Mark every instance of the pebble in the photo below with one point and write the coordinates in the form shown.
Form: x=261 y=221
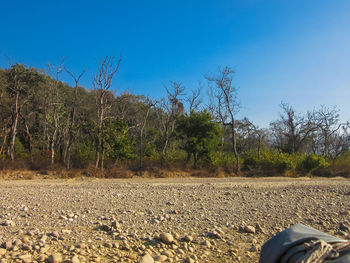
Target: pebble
x=188 y=238
x=8 y=223
x=167 y=238
x=55 y=258
x=75 y=259
x=146 y=259
x=249 y=229
x=26 y=258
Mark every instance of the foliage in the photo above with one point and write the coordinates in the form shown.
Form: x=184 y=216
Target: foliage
x=116 y=142
x=312 y=162
x=36 y=123
x=199 y=135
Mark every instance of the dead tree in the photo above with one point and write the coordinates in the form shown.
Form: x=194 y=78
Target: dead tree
x=101 y=84
x=170 y=109
x=54 y=104
x=194 y=100
x=72 y=116
x=226 y=105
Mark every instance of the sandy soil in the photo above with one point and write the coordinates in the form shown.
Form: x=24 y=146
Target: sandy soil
x=108 y=220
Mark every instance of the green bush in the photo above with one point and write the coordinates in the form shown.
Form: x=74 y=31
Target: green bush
x=312 y=162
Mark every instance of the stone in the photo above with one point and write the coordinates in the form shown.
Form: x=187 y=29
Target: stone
x=166 y=238
x=55 y=234
x=146 y=259
x=25 y=240
x=7 y=244
x=2 y=251
x=8 y=223
x=55 y=258
x=344 y=227
x=75 y=259
x=26 y=258
x=188 y=238
x=249 y=229
x=160 y=258
x=189 y=260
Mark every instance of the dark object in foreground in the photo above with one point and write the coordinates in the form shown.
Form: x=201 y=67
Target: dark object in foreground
x=303 y=244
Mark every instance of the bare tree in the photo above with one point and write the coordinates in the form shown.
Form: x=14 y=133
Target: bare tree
x=293 y=130
x=328 y=125
x=55 y=106
x=226 y=105
x=253 y=133
x=194 y=100
x=101 y=84
x=170 y=109
x=72 y=116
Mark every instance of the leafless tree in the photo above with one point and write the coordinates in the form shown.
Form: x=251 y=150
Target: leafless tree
x=171 y=107
x=72 y=116
x=226 y=105
x=55 y=106
x=328 y=126
x=101 y=84
x=293 y=130
x=194 y=100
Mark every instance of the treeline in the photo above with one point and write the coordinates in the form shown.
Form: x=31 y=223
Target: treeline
x=45 y=123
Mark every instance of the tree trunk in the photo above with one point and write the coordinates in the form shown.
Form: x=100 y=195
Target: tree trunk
x=234 y=147
x=29 y=138
x=11 y=149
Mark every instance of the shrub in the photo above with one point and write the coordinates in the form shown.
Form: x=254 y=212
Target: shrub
x=312 y=162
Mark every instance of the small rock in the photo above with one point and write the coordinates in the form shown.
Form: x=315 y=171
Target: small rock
x=55 y=234
x=2 y=251
x=189 y=260
x=249 y=229
x=55 y=258
x=188 y=238
x=146 y=259
x=166 y=238
x=7 y=244
x=344 y=227
x=160 y=258
x=75 y=259
x=25 y=240
x=26 y=258
x=8 y=223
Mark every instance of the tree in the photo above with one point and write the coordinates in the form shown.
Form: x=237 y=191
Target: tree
x=293 y=131
x=104 y=98
x=116 y=143
x=55 y=108
x=200 y=135
x=226 y=105
x=328 y=124
x=170 y=109
x=72 y=116
x=19 y=81
x=250 y=136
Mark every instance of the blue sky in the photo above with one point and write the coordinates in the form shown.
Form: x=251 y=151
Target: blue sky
x=293 y=51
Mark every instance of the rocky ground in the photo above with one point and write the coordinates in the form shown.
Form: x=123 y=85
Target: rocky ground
x=162 y=220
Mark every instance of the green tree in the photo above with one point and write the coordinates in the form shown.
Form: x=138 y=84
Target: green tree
x=116 y=143
x=200 y=135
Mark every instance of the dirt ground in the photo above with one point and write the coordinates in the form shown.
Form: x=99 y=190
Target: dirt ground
x=170 y=219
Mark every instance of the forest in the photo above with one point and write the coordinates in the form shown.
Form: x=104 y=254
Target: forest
x=45 y=124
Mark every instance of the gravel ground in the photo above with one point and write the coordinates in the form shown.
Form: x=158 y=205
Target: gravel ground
x=162 y=220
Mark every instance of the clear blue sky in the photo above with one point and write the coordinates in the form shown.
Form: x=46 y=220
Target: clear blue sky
x=293 y=51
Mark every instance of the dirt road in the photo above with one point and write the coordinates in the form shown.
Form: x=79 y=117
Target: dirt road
x=171 y=220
